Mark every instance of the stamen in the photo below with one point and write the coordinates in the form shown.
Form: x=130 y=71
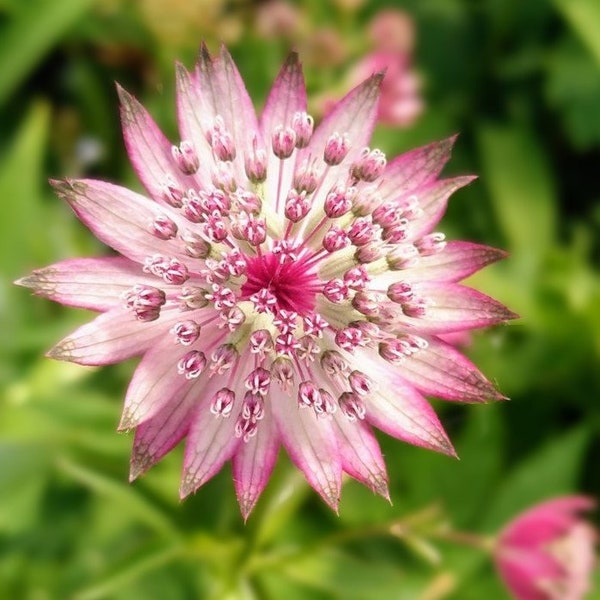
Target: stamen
x=170 y=269
x=186 y=332
x=282 y=372
x=336 y=149
x=145 y=301
x=369 y=166
x=302 y=124
x=221 y=404
x=164 y=228
x=352 y=406
x=192 y=364
x=256 y=163
x=283 y=142
x=186 y=157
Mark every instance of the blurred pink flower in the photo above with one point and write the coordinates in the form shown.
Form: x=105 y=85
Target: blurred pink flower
x=392 y=30
x=400 y=102
x=547 y=553
x=284 y=286
x=392 y=35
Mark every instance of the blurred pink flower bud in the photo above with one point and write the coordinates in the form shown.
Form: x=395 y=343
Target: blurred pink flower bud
x=392 y=31
x=400 y=102
x=547 y=552
x=276 y=19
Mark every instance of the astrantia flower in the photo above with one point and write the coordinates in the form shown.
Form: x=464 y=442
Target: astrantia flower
x=547 y=553
x=283 y=284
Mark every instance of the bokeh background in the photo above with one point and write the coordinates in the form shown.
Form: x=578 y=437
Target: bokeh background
x=520 y=82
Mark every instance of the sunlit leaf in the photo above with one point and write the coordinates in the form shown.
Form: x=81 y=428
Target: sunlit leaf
x=584 y=17
x=521 y=187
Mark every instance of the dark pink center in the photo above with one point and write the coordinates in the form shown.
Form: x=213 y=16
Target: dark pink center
x=294 y=284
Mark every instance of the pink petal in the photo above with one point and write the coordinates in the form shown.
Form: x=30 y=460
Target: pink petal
x=361 y=455
x=455 y=262
x=522 y=572
x=217 y=89
x=354 y=115
x=93 y=283
x=120 y=218
x=161 y=433
x=546 y=521
x=414 y=169
x=211 y=442
x=453 y=307
x=442 y=371
x=253 y=463
x=191 y=123
x=287 y=96
x=433 y=200
x=149 y=150
x=111 y=337
x=398 y=409
x=311 y=444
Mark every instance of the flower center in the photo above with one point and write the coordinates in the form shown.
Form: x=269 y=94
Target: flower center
x=293 y=284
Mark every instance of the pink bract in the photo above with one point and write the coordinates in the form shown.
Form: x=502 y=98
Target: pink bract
x=400 y=102
x=547 y=553
x=283 y=283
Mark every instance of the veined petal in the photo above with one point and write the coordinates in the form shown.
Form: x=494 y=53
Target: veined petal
x=398 y=409
x=354 y=115
x=442 y=371
x=433 y=199
x=148 y=149
x=156 y=380
x=361 y=455
x=412 y=170
x=120 y=218
x=455 y=262
x=253 y=463
x=224 y=93
x=190 y=116
x=311 y=444
x=216 y=89
x=93 y=283
x=111 y=337
x=287 y=97
x=454 y=307
x=211 y=442
x=161 y=433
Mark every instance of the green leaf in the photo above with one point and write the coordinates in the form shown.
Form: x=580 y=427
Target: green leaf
x=21 y=170
x=522 y=189
x=573 y=89
x=36 y=27
x=124 y=496
x=551 y=471
x=22 y=479
x=584 y=18
x=346 y=576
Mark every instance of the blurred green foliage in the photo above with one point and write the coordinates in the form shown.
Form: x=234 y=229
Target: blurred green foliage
x=521 y=82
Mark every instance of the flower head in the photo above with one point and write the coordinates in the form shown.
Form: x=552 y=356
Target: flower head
x=547 y=553
x=282 y=282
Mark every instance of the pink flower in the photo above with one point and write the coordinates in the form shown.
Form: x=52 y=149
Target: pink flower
x=284 y=285
x=547 y=553
x=400 y=102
